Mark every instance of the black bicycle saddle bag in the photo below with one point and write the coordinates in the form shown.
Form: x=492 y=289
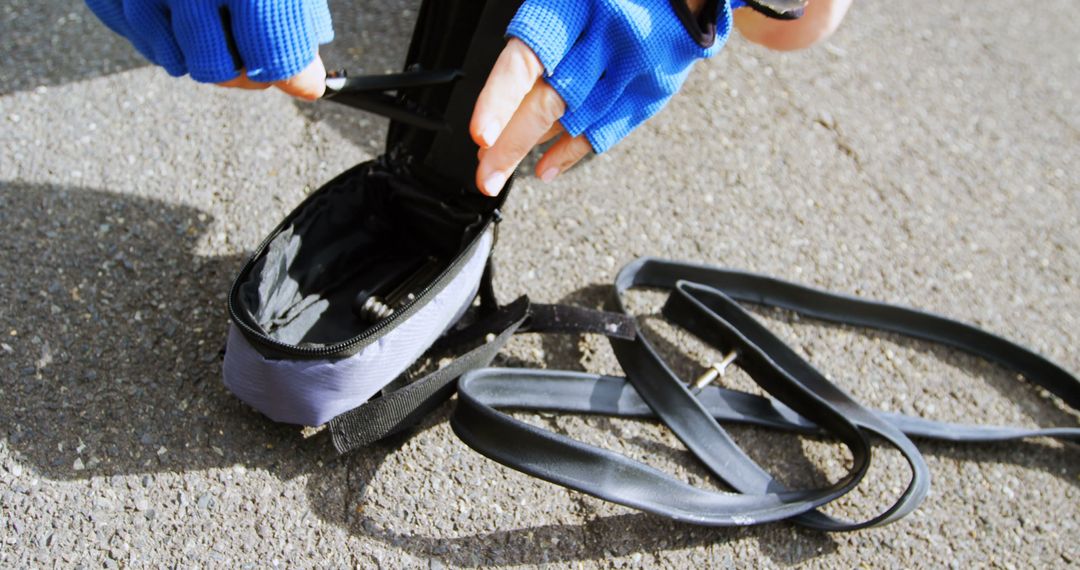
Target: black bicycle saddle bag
x=364 y=275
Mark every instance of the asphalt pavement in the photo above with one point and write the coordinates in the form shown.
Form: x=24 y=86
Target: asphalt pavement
x=927 y=155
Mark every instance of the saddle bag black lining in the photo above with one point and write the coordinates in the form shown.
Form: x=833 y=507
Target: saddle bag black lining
x=300 y=287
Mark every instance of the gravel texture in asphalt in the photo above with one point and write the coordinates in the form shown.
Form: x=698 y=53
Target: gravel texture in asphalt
x=927 y=155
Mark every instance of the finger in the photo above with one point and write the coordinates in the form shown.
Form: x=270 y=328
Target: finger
x=562 y=156
x=309 y=84
x=539 y=111
x=242 y=81
x=511 y=79
x=555 y=130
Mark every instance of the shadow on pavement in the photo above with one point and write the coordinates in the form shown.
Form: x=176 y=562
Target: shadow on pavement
x=599 y=538
x=115 y=329
x=54 y=43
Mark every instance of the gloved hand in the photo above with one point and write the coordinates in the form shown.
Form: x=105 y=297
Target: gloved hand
x=616 y=63
x=273 y=40
x=586 y=72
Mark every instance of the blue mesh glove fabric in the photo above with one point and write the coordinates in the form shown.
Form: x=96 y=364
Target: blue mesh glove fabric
x=274 y=39
x=616 y=63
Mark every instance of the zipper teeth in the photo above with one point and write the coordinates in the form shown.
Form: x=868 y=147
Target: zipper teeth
x=405 y=310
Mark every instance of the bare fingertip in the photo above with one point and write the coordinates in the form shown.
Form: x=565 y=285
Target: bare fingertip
x=494 y=183
x=490 y=134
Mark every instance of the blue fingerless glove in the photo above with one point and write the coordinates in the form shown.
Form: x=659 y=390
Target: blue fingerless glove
x=272 y=39
x=618 y=62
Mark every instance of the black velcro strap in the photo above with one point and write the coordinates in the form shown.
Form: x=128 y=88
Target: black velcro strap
x=400 y=407
x=384 y=416
x=570 y=319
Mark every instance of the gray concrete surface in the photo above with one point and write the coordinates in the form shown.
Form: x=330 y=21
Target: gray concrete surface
x=927 y=155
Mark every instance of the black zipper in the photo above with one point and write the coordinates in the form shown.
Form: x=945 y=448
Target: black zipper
x=343 y=347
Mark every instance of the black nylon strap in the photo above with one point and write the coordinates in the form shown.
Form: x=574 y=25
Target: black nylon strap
x=397 y=410
x=568 y=319
x=400 y=407
x=703 y=301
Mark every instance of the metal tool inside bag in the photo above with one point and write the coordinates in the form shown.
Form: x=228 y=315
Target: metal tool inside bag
x=389 y=262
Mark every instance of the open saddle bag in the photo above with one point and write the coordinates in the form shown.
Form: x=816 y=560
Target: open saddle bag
x=389 y=262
